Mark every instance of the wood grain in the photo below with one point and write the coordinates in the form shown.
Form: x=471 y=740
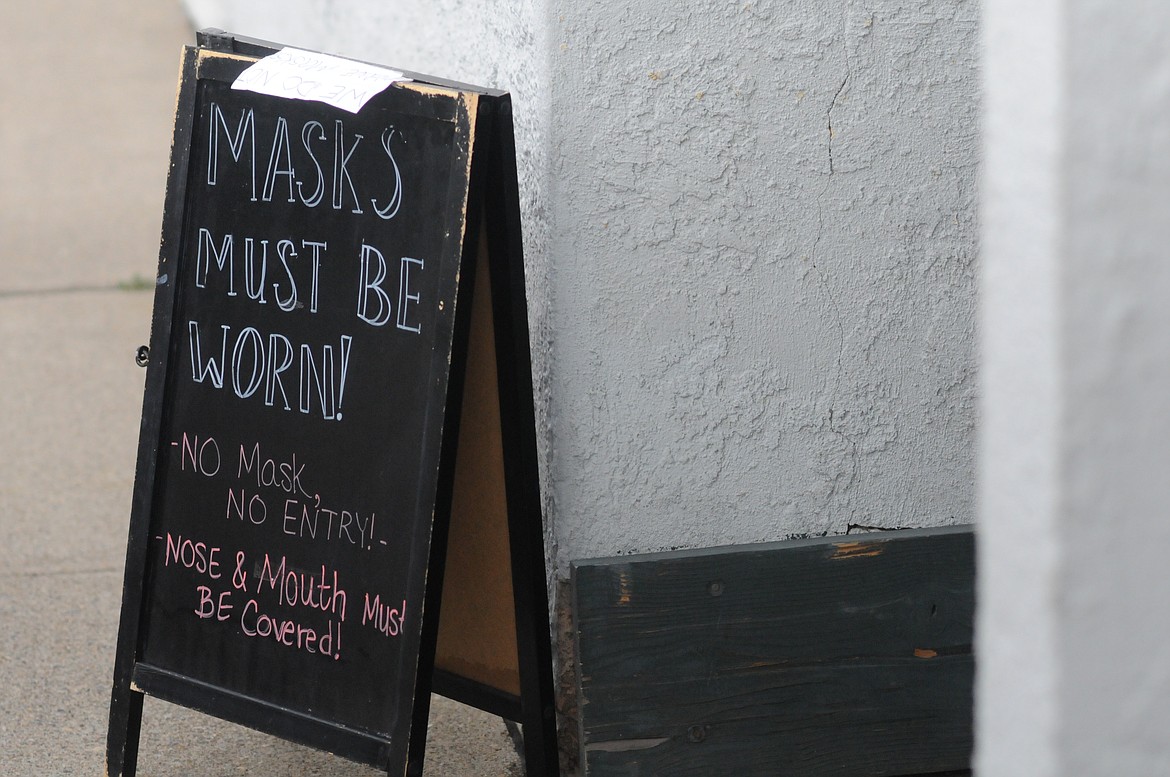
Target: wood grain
x=837 y=656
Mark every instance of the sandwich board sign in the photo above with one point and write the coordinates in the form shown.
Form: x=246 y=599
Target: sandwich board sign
x=336 y=508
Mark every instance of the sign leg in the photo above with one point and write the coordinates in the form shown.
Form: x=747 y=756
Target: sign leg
x=540 y=742
x=125 y=726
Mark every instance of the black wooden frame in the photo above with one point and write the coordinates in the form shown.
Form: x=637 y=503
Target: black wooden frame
x=493 y=205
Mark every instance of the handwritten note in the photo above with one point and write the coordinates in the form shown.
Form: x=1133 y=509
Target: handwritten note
x=291 y=598
x=298 y=175
x=307 y=75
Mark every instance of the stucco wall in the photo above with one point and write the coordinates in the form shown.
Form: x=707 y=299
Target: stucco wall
x=751 y=243
x=763 y=253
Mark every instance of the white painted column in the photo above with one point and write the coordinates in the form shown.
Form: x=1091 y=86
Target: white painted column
x=1074 y=567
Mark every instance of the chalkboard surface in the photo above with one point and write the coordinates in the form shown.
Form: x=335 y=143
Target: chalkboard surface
x=305 y=331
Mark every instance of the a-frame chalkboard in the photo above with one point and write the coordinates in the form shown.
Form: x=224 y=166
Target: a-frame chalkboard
x=338 y=417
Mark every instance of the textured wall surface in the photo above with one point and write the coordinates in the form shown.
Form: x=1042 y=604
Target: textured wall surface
x=763 y=259
x=751 y=244
x=1074 y=673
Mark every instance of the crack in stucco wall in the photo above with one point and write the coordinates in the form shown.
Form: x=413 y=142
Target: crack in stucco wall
x=829 y=117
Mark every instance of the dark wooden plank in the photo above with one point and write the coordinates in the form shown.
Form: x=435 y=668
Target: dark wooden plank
x=839 y=656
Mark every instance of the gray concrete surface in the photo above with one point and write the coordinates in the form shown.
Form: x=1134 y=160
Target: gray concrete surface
x=86 y=94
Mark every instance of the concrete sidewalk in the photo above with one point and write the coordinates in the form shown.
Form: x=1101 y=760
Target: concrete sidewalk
x=87 y=95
